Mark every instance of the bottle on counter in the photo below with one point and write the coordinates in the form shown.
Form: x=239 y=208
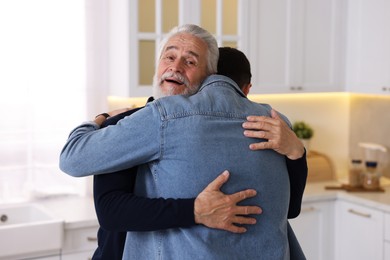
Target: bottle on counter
x=355 y=174
x=371 y=176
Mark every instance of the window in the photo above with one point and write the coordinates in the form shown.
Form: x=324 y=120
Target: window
x=158 y=17
x=43 y=96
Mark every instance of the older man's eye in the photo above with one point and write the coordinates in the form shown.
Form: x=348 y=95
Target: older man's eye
x=169 y=58
x=191 y=62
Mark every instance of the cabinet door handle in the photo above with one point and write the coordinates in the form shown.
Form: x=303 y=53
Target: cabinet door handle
x=308 y=209
x=365 y=215
x=92 y=239
x=296 y=88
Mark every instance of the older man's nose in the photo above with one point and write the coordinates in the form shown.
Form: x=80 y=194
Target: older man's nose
x=177 y=66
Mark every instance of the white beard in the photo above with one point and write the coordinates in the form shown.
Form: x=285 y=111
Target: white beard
x=158 y=92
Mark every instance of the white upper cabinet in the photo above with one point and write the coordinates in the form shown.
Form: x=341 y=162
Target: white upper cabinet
x=296 y=45
x=368 y=47
x=293 y=45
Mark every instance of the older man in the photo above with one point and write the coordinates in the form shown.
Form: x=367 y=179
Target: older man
x=119 y=209
x=182 y=58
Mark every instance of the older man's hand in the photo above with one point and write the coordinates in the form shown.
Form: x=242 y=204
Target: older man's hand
x=215 y=209
x=280 y=136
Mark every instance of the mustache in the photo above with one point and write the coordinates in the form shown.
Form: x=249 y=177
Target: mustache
x=176 y=76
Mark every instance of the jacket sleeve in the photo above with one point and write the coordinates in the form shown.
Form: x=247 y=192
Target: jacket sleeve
x=119 y=209
x=297 y=172
x=86 y=150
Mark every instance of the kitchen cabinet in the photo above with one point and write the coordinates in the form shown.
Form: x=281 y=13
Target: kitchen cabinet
x=79 y=243
x=293 y=45
x=314 y=229
x=359 y=232
x=48 y=258
x=35 y=256
x=77 y=256
x=296 y=46
x=387 y=237
x=368 y=46
x=387 y=251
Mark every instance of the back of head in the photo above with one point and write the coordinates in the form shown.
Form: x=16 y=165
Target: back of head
x=234 y=64
x=199 y=32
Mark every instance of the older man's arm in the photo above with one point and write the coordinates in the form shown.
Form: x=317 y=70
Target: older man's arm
x=215 y=209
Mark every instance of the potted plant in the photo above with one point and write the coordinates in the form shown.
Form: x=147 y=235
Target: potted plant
x=303 y=132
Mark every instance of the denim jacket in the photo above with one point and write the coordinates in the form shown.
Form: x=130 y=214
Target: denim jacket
x=186 y=142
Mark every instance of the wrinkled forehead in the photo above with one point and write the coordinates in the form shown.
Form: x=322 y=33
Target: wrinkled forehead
x=187 y=44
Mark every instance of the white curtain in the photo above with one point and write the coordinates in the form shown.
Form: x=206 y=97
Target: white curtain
x=43 y=84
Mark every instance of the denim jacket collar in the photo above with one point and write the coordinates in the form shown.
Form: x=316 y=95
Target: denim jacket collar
x=215 y=78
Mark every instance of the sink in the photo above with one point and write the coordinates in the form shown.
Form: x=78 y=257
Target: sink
x=28 y=230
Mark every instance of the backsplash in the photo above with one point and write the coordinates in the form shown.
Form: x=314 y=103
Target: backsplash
x=327 y=114
x=370 y=122
x=340 y=122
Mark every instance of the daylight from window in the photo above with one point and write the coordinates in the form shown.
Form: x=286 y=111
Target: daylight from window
x=42 y=68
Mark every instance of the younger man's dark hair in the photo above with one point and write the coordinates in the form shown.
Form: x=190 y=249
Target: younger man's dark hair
x=235 y=65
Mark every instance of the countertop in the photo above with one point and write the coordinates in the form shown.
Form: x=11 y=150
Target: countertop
x=316 y=191
x=79 y=212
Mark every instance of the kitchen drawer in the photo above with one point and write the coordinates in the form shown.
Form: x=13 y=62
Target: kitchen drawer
x=387 y=227
x=387 y=251
x=359 y=232
x=82 y=239
x=77 y=256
